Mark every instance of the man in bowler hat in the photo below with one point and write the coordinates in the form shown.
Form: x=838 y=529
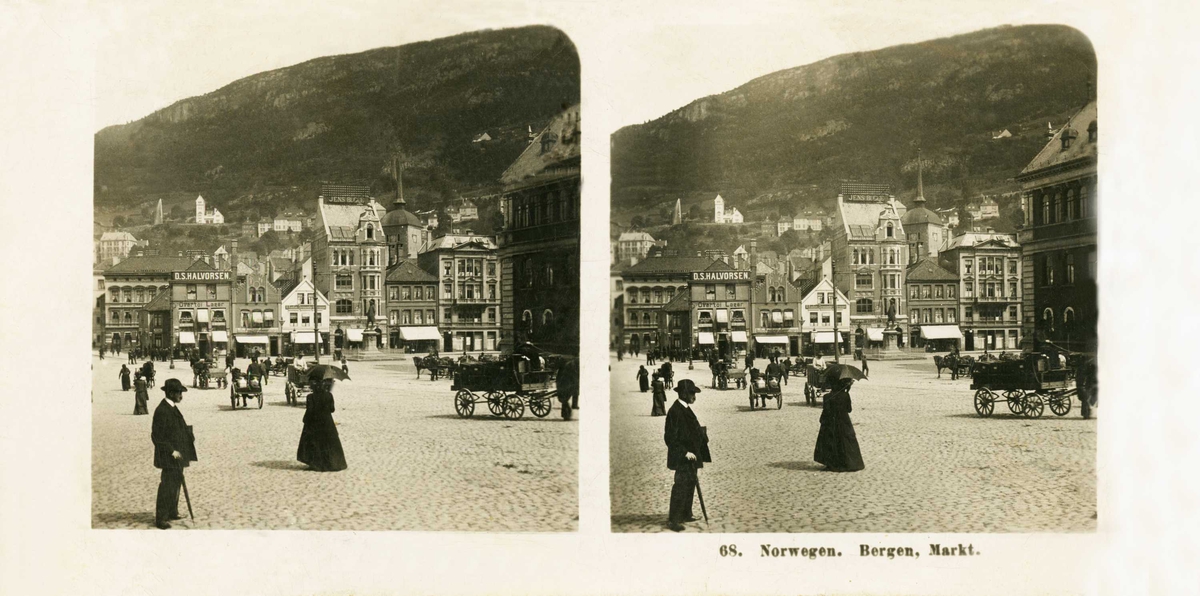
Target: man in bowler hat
x=174 y=447
x=687 y=450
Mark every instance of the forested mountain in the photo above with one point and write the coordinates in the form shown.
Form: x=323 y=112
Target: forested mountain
x=783 y=141
x=264 y=143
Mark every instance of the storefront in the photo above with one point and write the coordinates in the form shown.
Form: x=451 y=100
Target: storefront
x=252 y=345
x=766 y=345
x=418 y=340
x=822 y=343
x=719 y=301
x=941 y=338
x=302 y=343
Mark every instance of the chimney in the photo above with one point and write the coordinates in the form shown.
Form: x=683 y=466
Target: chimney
x=753 y=254
x=233 y=257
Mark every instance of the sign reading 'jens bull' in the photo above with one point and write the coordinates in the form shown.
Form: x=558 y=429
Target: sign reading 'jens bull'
x=720 y=276
x=200 y=275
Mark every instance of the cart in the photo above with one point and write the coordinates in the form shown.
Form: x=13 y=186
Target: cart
x=506 y=386
x=764 y=388
x=1027 y=385
x=247 y=388
x=297 y=387
x=815 y=384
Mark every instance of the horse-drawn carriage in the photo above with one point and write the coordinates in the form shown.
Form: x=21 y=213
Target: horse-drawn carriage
x=763 y=388
x=816 y=385
x=1028 y=385
x=437 y=367
x=507 y=386
x=297 y=387
x=248 y=388
x=957 y=364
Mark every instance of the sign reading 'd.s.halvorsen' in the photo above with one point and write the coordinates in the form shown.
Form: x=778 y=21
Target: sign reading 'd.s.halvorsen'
x=200 y=276
x=720 y=276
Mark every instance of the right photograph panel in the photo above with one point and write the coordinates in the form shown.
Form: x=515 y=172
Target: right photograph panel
x=859 y=295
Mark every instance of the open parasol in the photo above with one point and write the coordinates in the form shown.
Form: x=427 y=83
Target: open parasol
x=843 y=371
x=320 y=372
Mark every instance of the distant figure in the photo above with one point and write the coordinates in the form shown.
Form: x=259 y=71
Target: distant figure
x=124 y=375
x=866 y=369
x=345 y=369
x=567 y=384
x=320 y=446
x=837 y=446
x=141 y=397
x=659 y=406
x=643 y=379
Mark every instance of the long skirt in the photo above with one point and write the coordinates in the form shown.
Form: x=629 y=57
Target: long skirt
x=837 y=445
x=125 y=383
x=643 y=384
x=140 y=400
x=320 y=447
x=660 y=404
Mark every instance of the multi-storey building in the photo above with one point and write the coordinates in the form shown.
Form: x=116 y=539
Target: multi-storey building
x=933 y=305
x=468 y=280
x=412 y=305
x=870 y=251
x=988 y=266
x=155 y=324
x=822 y=308
x=775 y=309
x=115 y=246
x=304 y=318
x=647 y=286
x=719 y=301
x=201 y=300
x=257 y=328
x=99 y=296
x=539 y=244
x=207 y=216
x=348 y=253
x=924 y=229
x=633 y=247
x=406 y=234
x=131 y=284
x=1059 y=236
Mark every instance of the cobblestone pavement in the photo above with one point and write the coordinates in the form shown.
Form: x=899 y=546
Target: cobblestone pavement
x=413 y=463
x=933 y=465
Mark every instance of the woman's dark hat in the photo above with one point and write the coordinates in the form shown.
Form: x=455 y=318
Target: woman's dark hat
x=173 y=385
x=686 y=386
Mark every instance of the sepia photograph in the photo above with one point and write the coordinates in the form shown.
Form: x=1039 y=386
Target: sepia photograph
x=344 y=295
x=860 y=295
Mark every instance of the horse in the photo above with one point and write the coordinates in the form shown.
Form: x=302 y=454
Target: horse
x=942 y=362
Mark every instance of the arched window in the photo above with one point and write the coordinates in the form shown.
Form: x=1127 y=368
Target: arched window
x=645 y=318
x=115 y=294
x=128 y=293
x=1048 y=319
x=527 y=320
x=370 y=232
x=128 y=318
x=1069 y=317
x=891 y=232
x=547 y=318
x=116 y=317
x=772 y=293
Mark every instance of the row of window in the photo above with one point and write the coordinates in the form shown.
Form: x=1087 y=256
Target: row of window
x=132 y=294
x=991 y=289
x=303 y=318
x=466 y=291
x=932 y=315
x=468 y=267
x=933 y=291
x=866 y=281
x=710 y=291
x=210 y=291
x=412 y=292
x=1059 y=268
x=530 y=273
x=658 y=296
x=824 y=317
x=345 y=282
x=344 y=257
x=256 y=295
x=552 y=207
x=1059 y=205
x=776 y=294
x=414 y=317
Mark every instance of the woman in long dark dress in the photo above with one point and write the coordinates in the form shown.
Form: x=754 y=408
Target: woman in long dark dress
x=141 y=396
x=320 y=447
x=643 y=378
x=124 y=378
x=837 y=446
x=660 y=397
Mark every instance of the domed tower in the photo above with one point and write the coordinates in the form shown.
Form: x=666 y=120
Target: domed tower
x=404 y=230
x=925 y=231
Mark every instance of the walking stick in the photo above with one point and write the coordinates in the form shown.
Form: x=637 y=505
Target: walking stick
x=188 y=499
x=700 y=494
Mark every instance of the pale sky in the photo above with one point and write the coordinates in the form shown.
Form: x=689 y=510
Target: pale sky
x=640 y=60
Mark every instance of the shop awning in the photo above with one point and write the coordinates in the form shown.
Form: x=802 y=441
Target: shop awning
x=354 y=334
x=739 y=337
x=302 y=337
x=789 y=315
x=268 y=315
x=826 y=337
x=941 y=332
x=722 y=315
x=187 y=337
x=420 y=333
x=257 y=316
x=202 y=315
x=251 y=339
x=220 y=336
x=706 y=339
x=875 y=334
x=776 y=317
x=770 y=339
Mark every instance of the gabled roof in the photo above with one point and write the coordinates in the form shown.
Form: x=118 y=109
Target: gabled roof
x=456 y=241
x=1080 y=149
x=341 y=221
x=560 y=139
x=635 y=237
x=117 y=236
x=259 y=281
x=162 y=301
x=976 y=239
x=719 y=265
x=927 y=269
x=681 y=302
x=407 y=271
x=200 y=265
x=653 y=265
x=149 y=265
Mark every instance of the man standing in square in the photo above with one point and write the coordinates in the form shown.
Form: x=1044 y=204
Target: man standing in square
x=174 y=447
x=687 y=450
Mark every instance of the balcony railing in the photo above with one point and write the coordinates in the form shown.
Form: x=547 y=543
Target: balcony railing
x=997 y=299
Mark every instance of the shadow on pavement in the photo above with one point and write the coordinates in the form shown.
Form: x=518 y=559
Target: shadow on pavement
x=799 y=466
x=125 y=517
x=279 y=464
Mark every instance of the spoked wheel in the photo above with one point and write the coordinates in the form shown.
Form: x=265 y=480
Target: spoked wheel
x=514 y=407
x=779 y=401
x=1034 y=405
x=1016 y=401
x=540 y=405
x=985 y=402
x=260 y=401
x=464 y=403
x=1060 y=403
x=495 y=402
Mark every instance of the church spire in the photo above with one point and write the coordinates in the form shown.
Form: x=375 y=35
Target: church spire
x=920 y=200
x=399 y=202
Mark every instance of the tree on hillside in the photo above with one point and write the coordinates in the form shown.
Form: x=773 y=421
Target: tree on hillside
x=638 y=222
x=695 y=213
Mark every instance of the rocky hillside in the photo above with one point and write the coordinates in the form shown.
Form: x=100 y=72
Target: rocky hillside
x=783 y=141
x=264 y=143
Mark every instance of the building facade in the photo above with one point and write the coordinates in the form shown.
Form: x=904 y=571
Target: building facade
x=412 y=306
x=988 y=266
x=933 y=306
x=1059 y=237
x=201 y=303
x=468 y=279
x=348 y=253
x=131 y=284
x=538 y=247
x=719 y=303
x=115 y=246
x=924 y=229
x=633 y=247
x=775 y=315
x=257 y=328
x=304 y=318
x=207 y=216
x=822 y=308
x=647 y=286
x=869 y=255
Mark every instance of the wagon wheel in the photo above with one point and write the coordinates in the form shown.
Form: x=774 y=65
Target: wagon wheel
x=751 y=392
x=1016 y=401
x=514 y=407
x=539 y=404
x=233 y=398
x=985 y=402
x=779 y=400
x=260 y=401
x=1060 y=403
x=495 y=402
x=1034 y=405
x=464 y=403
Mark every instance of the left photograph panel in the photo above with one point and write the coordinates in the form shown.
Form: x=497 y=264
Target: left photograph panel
x=344 y=294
